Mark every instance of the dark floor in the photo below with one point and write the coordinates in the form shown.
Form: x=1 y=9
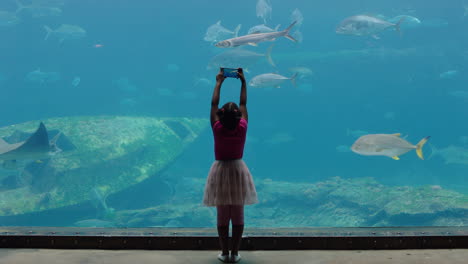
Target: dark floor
x=53 y=256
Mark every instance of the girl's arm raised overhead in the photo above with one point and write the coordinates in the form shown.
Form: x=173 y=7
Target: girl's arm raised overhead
x=215 y=99
x=243 y=95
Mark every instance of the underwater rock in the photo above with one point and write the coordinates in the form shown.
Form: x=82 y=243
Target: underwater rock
x=111 y=152
x=335 y=202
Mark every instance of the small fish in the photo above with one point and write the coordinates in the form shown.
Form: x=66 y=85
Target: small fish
x=8 y=19
x=279 y=138
x=465 y=9
x=302 y=72
x=66 y=31
x=459 y=94
x=125 y=85
x=389 y=115
x=296 y=15
x=356 y=133
x=254 y=39
x=452 y=154
x=448 y=74
x=217 y=32
x=203 y=82
x=390 y=145
x=270 y=80
x=38 y=10
x=173 y=67
x=264 y=10
x=41 y=77
x=409 y=21
x=76 y=81
x=362 y=25
x=262 y=29
x=239 y=58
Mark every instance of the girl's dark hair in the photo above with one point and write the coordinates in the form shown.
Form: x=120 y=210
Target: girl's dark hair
x=229 y=115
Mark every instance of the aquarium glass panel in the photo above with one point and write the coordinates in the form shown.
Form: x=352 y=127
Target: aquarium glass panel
x=356 y=113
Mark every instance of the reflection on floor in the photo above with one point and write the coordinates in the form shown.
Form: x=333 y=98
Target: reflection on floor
x=40 y=256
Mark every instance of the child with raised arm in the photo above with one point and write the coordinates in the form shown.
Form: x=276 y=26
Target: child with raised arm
x=229 y=185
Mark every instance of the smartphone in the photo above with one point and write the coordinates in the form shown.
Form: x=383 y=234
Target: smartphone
x=228 y=72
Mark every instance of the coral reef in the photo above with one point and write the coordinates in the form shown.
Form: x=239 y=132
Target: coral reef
x=336 y=202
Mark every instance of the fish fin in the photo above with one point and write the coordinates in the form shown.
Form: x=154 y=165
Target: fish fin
x=291 y=38
x=286 y=32
x=397 y=25
x=37 y=142
x=268 y=56
x=375 y=37
x=256 y=32
x=290 y=26
x=246 y=70
x=3 y=142
x=277 y=27
x=236 y=31
x=293 y=79
x=252 y=44
x=395 y=158
x=49 y=31
x=218 y=23
x=20 y=6
x=419 y=147
x=396 y=134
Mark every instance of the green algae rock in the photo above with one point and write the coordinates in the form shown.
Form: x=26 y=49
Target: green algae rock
x=112 y=153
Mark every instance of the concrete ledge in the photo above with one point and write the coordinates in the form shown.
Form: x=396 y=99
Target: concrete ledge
x=254 y=238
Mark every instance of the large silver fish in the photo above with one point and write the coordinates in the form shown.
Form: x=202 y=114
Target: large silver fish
x=254 y=39
x=217 y=32
x=38 y=10
x=8 y=19
x=239 y=58
x=262 y=29
x=66 y=31
x=270 y=80
x=390 y=145
x=363 y=25
x=264 y=9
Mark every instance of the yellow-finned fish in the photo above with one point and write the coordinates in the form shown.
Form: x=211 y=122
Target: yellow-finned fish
x=390 y=145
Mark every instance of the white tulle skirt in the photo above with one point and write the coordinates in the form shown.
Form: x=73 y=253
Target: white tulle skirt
x=229 y=182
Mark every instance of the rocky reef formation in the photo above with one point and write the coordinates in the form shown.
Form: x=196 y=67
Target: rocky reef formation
x=110 y=154
x=336 y=202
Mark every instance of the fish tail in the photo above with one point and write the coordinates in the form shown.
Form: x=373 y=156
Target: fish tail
x=397 y=25
x=286 y=32
x=20 y=6
x=49 y=31
x=268 y=56
x=236 y=31
x=293 y=79
x=419 y=147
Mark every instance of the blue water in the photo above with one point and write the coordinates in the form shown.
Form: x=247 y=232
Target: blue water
x=293 y=131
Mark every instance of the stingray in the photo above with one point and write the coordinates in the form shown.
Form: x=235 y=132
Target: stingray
x=36 y=147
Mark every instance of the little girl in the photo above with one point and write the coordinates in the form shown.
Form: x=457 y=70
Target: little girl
x=229 y=185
